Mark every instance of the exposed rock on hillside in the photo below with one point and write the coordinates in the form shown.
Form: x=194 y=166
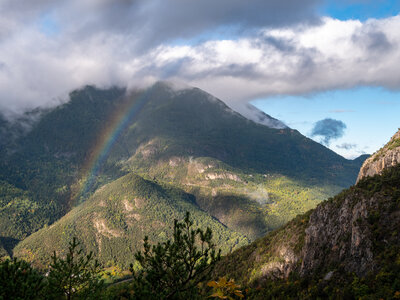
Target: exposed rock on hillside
x=113 y=222
x=338 y=233
x=388 y=156
x=356 y=232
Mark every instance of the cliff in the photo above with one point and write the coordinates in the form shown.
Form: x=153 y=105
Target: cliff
x=349 y=245
x=387 y=156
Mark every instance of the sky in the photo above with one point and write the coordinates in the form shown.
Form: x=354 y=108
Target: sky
x=328 y=68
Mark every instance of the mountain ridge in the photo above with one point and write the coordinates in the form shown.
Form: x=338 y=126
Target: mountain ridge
x=248 y=177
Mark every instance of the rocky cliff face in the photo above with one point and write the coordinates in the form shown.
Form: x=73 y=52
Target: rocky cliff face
x=341 y=233
x=356 y=232
x=346 y=230
x=388 y=156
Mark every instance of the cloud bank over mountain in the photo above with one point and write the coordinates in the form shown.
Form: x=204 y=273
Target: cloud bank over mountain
x=237 y=52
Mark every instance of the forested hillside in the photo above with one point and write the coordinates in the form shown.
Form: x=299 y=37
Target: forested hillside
x=248 y=177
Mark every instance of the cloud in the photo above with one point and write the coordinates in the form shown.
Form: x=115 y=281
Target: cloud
x=156 y=21
x=309 y=59
x=50 y=47
x=328 y=129
x=347 y=146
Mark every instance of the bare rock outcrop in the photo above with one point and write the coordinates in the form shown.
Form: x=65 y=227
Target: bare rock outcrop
x=386 y=157
x=338 y=234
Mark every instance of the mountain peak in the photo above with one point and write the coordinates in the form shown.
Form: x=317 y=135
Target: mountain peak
x=247 y=110
x=386 y=157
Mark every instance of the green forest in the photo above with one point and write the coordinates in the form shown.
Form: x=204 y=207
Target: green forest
x=187 y=264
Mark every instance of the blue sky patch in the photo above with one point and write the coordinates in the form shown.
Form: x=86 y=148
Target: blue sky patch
x=371 y=115
x=360 y=9
x=48 y=25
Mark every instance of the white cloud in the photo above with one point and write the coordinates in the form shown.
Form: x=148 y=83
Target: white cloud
x=102 y=44
x=335 y=54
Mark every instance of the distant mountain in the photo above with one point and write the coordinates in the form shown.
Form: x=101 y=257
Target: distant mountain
x=247 y=177
x=196 y=124
x=346 y=248
x=3 y=251
x=362 y=158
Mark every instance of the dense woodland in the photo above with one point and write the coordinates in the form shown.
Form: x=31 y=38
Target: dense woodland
x=168 y=153
x=251 y=178
x=187 y=265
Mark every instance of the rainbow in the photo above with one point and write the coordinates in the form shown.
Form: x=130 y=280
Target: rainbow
x=107 y=139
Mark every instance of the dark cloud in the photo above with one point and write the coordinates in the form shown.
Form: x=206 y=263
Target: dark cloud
x=152 y=22
x=237 y=50
x=279 y=44
x=173 y=68
x=166 y=20
x=328 y=129
x=347 y=146
x=373 y=41
x=245 y=70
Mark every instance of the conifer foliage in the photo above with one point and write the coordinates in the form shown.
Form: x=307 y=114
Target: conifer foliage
x=173 y=269
x=18 y=280
x=75 y=276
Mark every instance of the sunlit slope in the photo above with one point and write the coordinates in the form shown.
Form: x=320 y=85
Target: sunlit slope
x=114 y=221
x=248 y=202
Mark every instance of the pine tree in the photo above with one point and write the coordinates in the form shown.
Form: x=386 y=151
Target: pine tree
x=18 y=280
x=173 y=269
x=76 y=276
